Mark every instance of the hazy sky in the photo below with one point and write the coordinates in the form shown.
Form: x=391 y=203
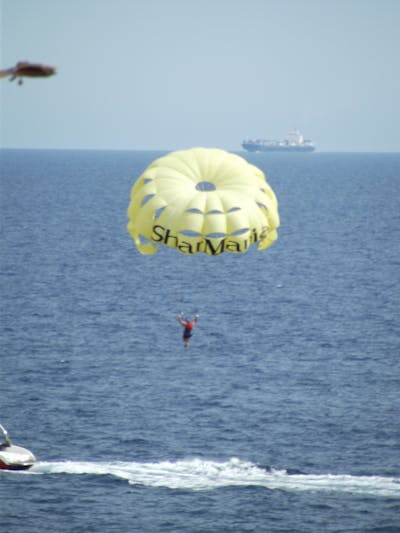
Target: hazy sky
x=169 y=74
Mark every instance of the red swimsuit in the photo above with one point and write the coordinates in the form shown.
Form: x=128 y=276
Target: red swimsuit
x=188 y=330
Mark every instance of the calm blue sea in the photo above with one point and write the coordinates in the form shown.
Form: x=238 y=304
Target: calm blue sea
x=283 y=415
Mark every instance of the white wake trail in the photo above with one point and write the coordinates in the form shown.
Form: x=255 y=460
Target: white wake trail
x=199 y=474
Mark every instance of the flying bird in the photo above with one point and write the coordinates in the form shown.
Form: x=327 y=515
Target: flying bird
x=24 y=69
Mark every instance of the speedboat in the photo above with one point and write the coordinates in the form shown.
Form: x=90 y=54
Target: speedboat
x=13 y=457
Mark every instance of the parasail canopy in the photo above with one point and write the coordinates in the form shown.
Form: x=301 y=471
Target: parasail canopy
x=202 y=200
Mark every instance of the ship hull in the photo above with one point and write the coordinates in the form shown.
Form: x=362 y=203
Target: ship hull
x=266 y=148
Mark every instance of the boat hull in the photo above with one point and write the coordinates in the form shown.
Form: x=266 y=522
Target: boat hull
x=4 y=466
x=16 y=458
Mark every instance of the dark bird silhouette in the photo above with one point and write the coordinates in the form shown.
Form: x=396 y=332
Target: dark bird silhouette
x=23 y=69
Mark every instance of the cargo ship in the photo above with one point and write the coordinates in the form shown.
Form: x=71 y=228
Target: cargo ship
x=294 y=142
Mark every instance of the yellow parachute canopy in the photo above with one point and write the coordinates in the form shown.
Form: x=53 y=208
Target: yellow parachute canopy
x=202 y=200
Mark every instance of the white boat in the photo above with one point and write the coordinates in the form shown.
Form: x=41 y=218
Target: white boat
x=13 y=457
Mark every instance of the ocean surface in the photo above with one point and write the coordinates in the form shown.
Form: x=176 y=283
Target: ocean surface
x=283 y=415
